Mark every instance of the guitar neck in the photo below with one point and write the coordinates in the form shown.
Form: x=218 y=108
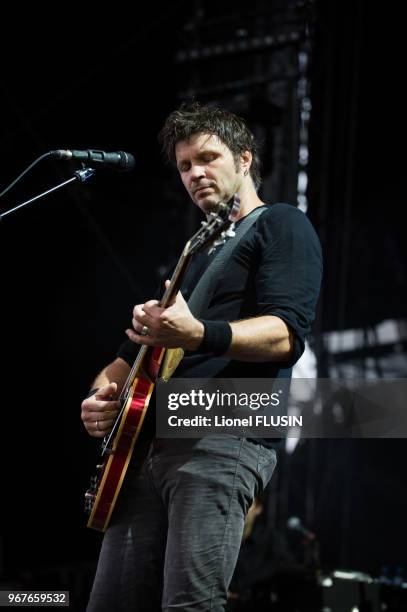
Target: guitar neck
x=144 y=354
x=211 y=230
x=177 y=276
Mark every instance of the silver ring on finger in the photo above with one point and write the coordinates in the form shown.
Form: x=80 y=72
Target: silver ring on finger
x=144 y=331
x=97 y=426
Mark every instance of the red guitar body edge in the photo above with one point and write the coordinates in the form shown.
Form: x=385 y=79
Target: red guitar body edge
x=114 y=466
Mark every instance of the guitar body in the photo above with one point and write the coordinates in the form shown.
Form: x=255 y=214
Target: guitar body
x=105 y=487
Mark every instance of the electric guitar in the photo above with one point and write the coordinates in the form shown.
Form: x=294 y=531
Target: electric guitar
x=151 y=364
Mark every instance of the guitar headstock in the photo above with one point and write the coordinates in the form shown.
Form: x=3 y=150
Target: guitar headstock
x=216 y=229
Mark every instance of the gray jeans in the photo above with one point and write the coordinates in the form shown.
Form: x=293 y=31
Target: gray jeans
x=175 y=534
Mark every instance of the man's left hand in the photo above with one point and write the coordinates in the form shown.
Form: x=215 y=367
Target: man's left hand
x=171 y=327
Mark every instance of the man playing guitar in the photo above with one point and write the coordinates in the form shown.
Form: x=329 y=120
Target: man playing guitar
x=175 y=532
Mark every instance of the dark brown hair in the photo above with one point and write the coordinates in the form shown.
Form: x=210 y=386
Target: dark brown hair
x=195 y=118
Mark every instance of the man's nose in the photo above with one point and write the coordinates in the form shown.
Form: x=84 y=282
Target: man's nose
x=197 y=172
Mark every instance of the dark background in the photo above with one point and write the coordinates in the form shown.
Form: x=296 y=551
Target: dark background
x=75 y=263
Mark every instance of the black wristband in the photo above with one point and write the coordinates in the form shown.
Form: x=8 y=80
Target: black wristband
x=92 y=392
x=217 y=337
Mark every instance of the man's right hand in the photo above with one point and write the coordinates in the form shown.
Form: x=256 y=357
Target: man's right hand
x=99 y=411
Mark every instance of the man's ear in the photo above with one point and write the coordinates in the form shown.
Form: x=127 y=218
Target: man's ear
x=246 y=161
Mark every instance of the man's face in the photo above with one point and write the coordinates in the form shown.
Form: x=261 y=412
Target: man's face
x=208 y=170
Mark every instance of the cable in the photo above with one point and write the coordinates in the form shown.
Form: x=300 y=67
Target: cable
x=20 y=176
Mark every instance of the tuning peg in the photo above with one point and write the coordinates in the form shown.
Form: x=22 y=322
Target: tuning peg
x=229 y=233
x=216 y=243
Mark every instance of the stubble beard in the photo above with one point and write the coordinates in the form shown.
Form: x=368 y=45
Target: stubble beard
x=212 y=202
x=209 y=204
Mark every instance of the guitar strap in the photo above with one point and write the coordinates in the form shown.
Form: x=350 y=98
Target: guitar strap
x=203 y=292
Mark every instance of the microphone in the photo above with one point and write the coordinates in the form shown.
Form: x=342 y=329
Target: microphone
x=119 y=160
x=295 y=524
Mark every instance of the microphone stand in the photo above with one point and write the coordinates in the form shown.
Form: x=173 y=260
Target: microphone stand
x=83 y=176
